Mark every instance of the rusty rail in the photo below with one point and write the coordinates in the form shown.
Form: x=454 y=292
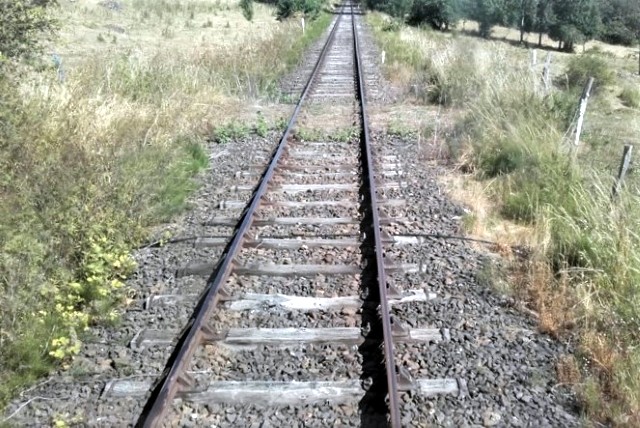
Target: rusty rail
x=369 y=181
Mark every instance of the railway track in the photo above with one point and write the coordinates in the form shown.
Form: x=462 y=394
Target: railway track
x=296 y=316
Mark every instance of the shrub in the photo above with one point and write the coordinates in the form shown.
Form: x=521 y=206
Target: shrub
x=580 y=68
x=247 y=9
x=310 y=8
x=23 y=24
x=630 y=97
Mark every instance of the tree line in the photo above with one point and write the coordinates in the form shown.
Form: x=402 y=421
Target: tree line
x=568 y=22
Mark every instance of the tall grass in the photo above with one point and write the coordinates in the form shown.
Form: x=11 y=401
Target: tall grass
x=585 y=268
x=89 y=164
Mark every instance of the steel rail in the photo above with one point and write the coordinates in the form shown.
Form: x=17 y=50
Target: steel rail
x=174 y=375
x=368 y=177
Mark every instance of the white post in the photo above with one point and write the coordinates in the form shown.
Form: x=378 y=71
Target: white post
x=582 y=110
x=383 y=55
x=302 y=22
x=534 y=57
x=546 y=72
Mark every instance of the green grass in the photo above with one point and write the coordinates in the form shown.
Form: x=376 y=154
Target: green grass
x=581 y=68
x=512 y=135
x=630 y=97
x=315 y=134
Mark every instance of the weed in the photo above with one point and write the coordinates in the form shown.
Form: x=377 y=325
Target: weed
x=399 y=129
x=101 y=38
x=492 y=274
x=261 y=127
x=344 y=134
x=630 y=97
x=580 y=68
x=167 y=32
x=281 y=123
x=233 y=130
x=338 y=135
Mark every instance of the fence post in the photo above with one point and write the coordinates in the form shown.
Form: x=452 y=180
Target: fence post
x=582 y=110
x=534 y=57
x=546 y=73
x=624 y=166
x=383 y=55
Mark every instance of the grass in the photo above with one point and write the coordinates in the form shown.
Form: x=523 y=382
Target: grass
x=97 y=152
x=630 y=97
x=345 y=134
x=528 y=186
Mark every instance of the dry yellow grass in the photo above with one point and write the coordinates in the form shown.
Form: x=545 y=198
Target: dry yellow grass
x=149 y=26
x=483 y=220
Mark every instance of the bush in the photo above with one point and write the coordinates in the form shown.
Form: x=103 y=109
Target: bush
x=439 y=14
x=505 y=159
x=247 y=9
x=630 y=97
x=22 y=24
x=580 y=68
x=310 y=8
x=70 y=217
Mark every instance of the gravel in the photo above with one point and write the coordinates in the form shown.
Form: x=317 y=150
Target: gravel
x=509 y=367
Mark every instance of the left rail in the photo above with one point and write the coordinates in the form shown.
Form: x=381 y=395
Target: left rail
x=174 y=377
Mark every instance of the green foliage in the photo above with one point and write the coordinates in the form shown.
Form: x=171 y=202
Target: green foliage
x=247 y=9
x=620 y=21
x=439 y=14
x=310 y=8
x=580 y=68
x=261 y=127
x=73 y=215
x=630 y=96
x=575 y=21
x=233 y=130
x=505 y=159
x=399 y=129
x=23 y=26
x=543 y=18
x=488 y=13
x=395 y=8
x=314 y=134
x=569 y=22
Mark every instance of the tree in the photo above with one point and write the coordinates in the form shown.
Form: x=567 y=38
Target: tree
x=526 y=17
x=286 y=8
x=576 y=21
x=24 y=24
x=247 y=9
x=543 y=19
x=620 y=21
x=395 y=8
x=439 y=14
x=488 y=13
